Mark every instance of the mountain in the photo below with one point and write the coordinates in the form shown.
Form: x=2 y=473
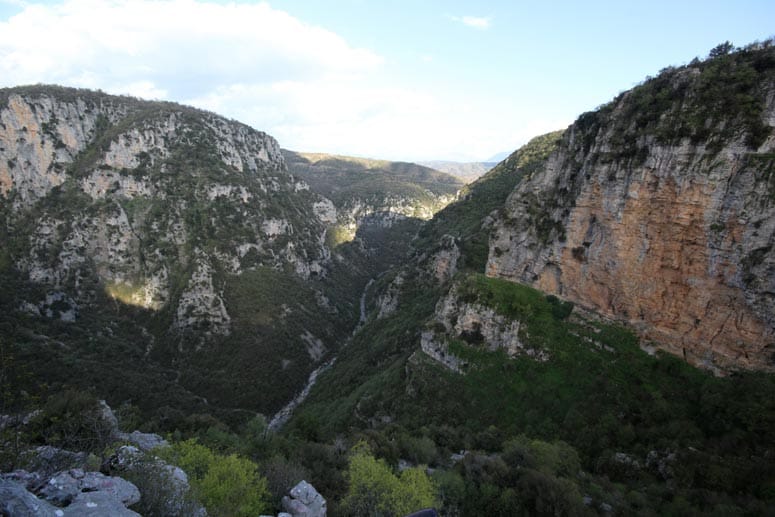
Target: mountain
x=466 y=171
x=168 y=257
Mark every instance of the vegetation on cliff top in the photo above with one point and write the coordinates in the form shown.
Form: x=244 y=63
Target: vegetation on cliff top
x=709 y=102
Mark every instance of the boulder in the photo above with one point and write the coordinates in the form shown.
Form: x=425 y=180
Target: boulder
x=117 y=487
x=304 y=501
x=32 y=480
x=63 y=488
x=144 y=441
x=66 y=494
x=97 y=504
x=108 y=416
x=16 y=501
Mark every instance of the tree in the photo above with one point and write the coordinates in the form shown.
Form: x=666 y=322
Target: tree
x=721 y=49
x=374 y=490
x=416 y=491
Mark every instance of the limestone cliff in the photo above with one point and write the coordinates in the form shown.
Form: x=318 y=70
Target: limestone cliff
x=658 y=210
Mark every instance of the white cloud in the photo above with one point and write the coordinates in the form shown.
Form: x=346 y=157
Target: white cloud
x=477 y=22
x=303 y=84
x=182 y=47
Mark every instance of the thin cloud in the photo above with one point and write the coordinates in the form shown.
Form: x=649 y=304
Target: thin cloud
x=477 y=22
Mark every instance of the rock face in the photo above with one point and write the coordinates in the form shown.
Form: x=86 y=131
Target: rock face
x=387 y=302
x=658 y=223
x=444 y=262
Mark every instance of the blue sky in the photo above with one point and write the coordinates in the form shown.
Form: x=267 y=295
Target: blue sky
x=410 y=80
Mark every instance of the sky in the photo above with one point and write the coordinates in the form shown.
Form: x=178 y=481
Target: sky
x=400 y=80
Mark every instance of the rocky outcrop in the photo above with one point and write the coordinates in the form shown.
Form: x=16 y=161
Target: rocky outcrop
x=65 y=487
x=201 y=306
x=437 y=348
x=473 y=324
x=325 y=211
x=69 y=493
x=444 y=261
x=387 y=301
x=164 y=487
x=315 y=347
x=145 y=442
x=59 y=482
x=673 y=236
x=40 y=136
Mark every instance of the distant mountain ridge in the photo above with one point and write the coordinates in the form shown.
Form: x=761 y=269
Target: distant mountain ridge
x=466 y=171
x=373 y=193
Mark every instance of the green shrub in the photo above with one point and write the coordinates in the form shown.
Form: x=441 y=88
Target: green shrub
x=232 y=487
x=73 y=420
x=226 y=485
x=374 y=490
x=162 y=495
x=282 y=475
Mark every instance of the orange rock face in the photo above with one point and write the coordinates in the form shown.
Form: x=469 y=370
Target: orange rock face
x=678 y=250
x=650 y=265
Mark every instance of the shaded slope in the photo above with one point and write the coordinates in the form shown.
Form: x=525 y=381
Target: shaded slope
x=162 y=255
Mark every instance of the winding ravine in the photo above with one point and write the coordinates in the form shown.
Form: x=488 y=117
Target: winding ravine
x=281 y=417
x=363 y=305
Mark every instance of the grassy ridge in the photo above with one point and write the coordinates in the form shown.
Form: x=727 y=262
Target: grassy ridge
x=346 y=179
